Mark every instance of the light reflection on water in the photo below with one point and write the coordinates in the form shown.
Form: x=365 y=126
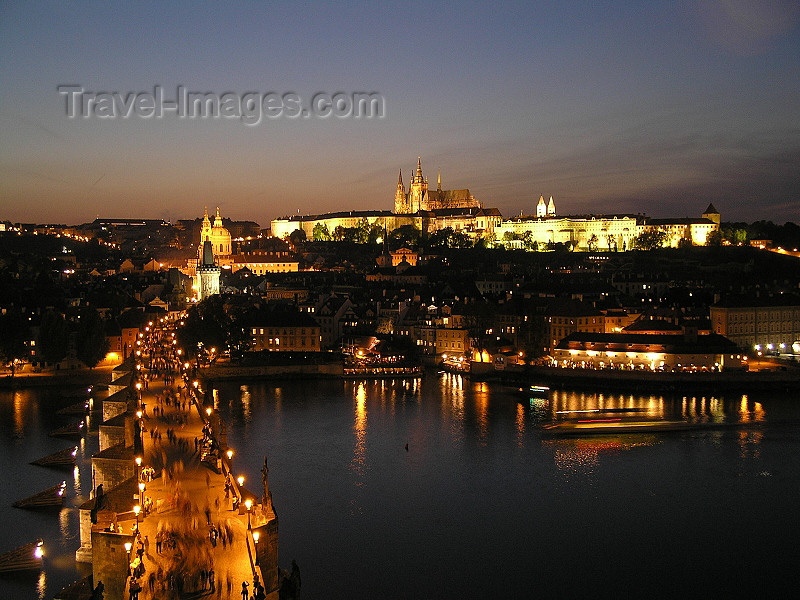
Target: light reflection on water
x=41 y=586
x=477 y=468
x=27 y=416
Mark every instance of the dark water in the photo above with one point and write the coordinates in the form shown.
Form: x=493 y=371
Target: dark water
x=26 y=418
x=481 y=505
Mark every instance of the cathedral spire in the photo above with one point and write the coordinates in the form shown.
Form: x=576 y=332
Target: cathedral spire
x=439 y=182
x=419 y=168
x=400 y=179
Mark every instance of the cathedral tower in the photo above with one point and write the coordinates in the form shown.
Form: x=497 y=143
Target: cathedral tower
x=400 y=203
x=418 y=189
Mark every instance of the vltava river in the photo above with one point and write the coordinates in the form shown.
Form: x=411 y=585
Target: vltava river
x=481 y=504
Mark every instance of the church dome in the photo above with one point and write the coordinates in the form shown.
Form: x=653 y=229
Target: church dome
x=218 y=235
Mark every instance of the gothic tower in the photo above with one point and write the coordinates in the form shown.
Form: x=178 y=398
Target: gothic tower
x=207 y=272
x=418 y=189
x=551 y=208
x=400 y=203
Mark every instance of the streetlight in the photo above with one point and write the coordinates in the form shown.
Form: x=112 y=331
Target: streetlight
x=248 y=504
x=230 y=454
x=255 y=537
x=142 y=488
x=208 y=411
x=240 y=479
x=136 y=510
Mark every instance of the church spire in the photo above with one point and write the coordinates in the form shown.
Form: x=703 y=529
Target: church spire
x=419 y=169
x=439 y=181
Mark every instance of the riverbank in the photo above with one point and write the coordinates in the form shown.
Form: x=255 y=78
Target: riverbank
x=68 y=378
x=596 y=379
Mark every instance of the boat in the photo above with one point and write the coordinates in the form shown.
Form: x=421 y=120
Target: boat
x=613 y=426
x=534 y=391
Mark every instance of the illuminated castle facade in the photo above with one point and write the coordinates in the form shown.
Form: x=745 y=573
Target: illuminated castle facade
x=432 y=210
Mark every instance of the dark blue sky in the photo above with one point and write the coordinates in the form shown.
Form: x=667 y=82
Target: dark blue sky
x=653 y=107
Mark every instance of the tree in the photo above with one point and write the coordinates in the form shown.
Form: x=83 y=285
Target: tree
x=206 y=324
x=298 y=236
x=91 y=344
x=320 y=233
x=714 y=238
x=528 y=241
x=13 y=335
x=650 y=240
x=376 y=234
x=361 y=234
x=405 y=235
x=53 y=337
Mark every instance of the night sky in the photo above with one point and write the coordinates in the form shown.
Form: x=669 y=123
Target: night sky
x=618 y=106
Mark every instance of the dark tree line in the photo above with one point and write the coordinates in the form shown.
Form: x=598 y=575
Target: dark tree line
x=55 y=335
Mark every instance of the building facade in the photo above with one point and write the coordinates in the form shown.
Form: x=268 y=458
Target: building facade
x=761 y=324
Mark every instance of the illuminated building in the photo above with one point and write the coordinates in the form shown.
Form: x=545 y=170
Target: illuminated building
x=767 y=324
x=285 y=332
x=433 y=210
x=219 y=236
x=207 y=273
x=419 y=198
x=656 y=352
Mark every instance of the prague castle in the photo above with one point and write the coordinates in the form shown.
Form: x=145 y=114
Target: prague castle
x=432 y=210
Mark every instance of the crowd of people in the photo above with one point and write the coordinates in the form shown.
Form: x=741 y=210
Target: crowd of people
x=187 y=538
